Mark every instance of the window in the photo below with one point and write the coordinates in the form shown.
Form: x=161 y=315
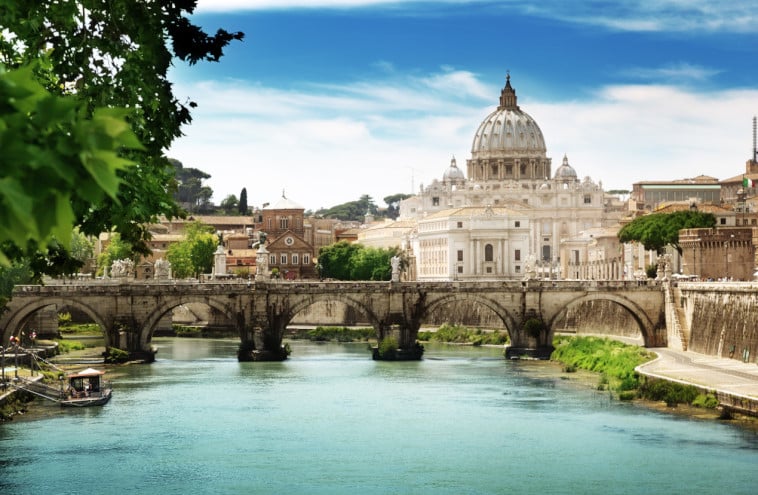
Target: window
x=284 y=259
x=460 y=269
x=517 y=255
x=272 y=259
x=722 y=221
x=283 y=222
x=489 y=269
x=488 y=256
x=435 y=201
x=306 y=259
x=518 y=269
x=587 y=199
x=517 y=224
x=460 y=255
x=460 y=225
x=546 y=253
x=295 y=259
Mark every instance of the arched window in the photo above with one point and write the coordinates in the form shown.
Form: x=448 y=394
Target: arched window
x=488 y=252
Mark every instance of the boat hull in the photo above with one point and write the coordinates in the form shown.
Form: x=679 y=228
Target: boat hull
x=99 y=400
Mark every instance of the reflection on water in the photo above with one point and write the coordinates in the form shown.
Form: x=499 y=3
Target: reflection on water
x=330 y=420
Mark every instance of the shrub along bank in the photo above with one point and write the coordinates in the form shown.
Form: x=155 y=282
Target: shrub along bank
x=615 y=361
x=458 y=334
x=339 y=334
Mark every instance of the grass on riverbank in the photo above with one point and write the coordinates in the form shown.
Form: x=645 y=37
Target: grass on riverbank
x=615 y=361
x=459 y=334
x=339 y=334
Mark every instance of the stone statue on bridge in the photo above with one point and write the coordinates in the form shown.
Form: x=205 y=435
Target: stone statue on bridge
x=122 y=269
x=395 y=262
x=530 y=270
x=162 y=269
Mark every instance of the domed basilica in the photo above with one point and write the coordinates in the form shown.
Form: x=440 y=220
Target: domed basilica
x=508 y=218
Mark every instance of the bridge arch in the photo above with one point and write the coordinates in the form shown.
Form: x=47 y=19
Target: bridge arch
x=18 y=318
x=505 y=316
x=168 y=304
x=638 y=314
x=305 y=301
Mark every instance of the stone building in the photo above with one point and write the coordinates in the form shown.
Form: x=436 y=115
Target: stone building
x=509 y=166
x=648 y=196
x=720 y=253
x=473 y=242
x=291 y=256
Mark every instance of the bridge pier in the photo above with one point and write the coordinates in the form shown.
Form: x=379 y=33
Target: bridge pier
x=248 y=353
x=541 y=352
x=532 y=340
x=263 y=344
x=405 y=332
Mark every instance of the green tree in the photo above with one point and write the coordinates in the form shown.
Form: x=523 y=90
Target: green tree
x=393 y=204
x=243 y=208
x=194 y=255
x=229 y=204
x=106 y=55
x=346 y=261
x=19 y=272
x=353 y=210
x=334 y=260
x=55 y=155
x=190 y=192
x=372 y=264
x=658 y=230
x=82 y=247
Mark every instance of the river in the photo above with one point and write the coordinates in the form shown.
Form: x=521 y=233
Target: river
x=331 y=421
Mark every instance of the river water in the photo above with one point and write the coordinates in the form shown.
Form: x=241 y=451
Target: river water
x=331 y=421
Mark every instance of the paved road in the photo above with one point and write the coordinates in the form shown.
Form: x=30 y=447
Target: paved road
x=726 y=375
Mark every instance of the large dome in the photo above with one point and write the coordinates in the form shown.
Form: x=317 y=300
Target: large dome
x=508 y=131
x=508 y=145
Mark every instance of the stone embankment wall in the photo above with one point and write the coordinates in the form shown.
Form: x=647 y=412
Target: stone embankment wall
x=598 y=317
x=335 y=313
x=721 y=319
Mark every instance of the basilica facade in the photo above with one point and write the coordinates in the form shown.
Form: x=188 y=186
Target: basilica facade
x=507 y=216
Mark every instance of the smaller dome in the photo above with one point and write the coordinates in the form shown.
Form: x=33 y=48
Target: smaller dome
x=565 y=171
x=453 y=173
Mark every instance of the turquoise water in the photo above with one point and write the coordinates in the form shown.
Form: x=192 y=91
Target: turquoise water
x=330 y=420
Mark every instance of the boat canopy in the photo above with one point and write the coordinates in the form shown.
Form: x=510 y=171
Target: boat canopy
x=89 y=372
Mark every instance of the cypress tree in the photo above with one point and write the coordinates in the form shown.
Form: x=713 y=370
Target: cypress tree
x=243 y=201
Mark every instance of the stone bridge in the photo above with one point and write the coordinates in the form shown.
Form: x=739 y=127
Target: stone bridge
x=129 y=312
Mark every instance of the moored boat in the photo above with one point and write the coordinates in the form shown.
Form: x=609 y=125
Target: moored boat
x=86 y=388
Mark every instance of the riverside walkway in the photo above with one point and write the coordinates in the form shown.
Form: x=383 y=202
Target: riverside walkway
x=733 y=382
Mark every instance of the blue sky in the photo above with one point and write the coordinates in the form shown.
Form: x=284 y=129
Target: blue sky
x=332 y=99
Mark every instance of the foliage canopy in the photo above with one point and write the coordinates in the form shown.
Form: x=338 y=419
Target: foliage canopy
x=346 y=261
x=98 y=56
x=657 y=230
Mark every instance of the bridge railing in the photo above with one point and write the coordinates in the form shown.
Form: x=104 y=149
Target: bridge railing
x=238 y=285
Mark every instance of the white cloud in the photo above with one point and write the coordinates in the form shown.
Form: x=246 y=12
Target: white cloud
x=630 y=133
x=681 y=71
x=618 y=15
x=329 y=145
